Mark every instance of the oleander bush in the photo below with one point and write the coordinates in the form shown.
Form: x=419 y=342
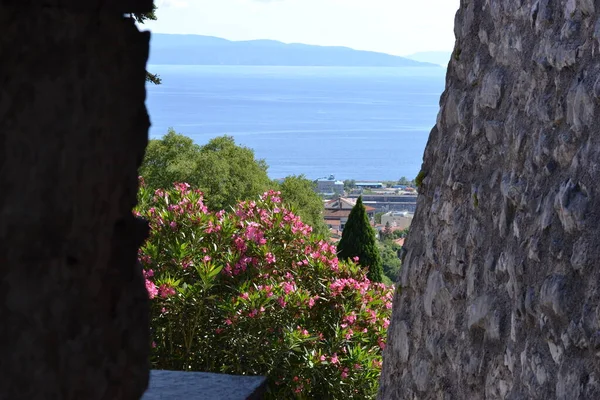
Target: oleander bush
x=252 y=291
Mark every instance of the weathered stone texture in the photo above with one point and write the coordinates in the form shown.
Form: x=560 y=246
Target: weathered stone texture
x=500 y=288
x=73 y=128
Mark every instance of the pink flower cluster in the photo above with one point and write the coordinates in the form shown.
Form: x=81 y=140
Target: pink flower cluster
x=338 y=286
x=278 y=285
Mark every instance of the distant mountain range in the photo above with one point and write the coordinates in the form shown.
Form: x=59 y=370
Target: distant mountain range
x=208 y=50
x=436 y=57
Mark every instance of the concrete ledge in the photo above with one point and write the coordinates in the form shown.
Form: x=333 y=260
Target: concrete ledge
x=175 y=385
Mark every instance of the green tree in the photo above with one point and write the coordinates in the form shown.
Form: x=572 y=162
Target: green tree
x=359 y=240
x=225 y=172
x=299 y=193
x=387 y=231
x=405 y=181
x=378 y=217
x=390 y=261
x=228 y=173
x=174 y=158
x=349 y=184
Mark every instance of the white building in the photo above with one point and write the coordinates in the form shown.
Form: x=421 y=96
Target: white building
x=330 y=186
x=397 y=219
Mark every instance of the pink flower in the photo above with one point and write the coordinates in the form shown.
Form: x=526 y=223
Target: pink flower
x=254 y=233
x=245 y=296
x=281 y=302
x=218 y=330
x=311 y=302
x=228 y=321
x=151 y=289
x=388 y=305
x=165 y=291
x=173 y=225
x=153 y=345
x=322 y=358
x=288 y=287
x=357 y=366
x=350 y=318
x=355 y=259
x=270 y=258
x=345 y=373
x=386 y=323
x=349 y=334
x=206 y=259
x=240 y=244
x=334 y=359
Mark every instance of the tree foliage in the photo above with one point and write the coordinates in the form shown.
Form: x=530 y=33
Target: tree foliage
x=404 y=181
x=390 y=261
x=224 y=171
x=359 y=240
x=387 y=232
x=300 y=194
x=228 y=173
x=349 y=184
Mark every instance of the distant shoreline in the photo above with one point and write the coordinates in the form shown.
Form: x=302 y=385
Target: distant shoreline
x=173 y=49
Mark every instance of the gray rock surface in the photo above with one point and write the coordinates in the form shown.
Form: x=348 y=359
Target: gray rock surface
x=500 y=287
x=174 y=385
x=73 y=128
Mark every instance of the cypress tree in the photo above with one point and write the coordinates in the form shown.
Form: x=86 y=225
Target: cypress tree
x=358 y=240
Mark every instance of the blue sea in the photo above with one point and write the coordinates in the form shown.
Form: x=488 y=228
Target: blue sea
x=360 y=123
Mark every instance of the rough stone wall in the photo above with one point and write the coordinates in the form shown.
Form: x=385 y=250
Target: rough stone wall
x=500 y=288
x=73 y=128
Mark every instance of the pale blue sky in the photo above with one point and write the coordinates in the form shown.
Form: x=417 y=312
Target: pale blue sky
x=398 y=27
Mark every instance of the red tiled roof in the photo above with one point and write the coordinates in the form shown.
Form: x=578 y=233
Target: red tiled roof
x=399 y=242
x=336 y=214
x=349 y=202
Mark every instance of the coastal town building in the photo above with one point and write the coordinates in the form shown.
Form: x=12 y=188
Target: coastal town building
x=397 y=219
x=330 y=186
x=369 y=185
x=338 y=210
x=389 y=202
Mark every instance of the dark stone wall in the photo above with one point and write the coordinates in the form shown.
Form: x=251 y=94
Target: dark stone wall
x=500 y=288
x=73 y=128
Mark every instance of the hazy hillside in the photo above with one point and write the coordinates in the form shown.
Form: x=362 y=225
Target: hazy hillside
x=206 y=50
x=436 y=57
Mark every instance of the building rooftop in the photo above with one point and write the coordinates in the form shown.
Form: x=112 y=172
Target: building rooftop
x=336 y=214
x=369 y=184
x=333 y=204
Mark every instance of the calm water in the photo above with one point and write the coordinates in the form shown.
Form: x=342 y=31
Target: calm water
x=362 y=123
